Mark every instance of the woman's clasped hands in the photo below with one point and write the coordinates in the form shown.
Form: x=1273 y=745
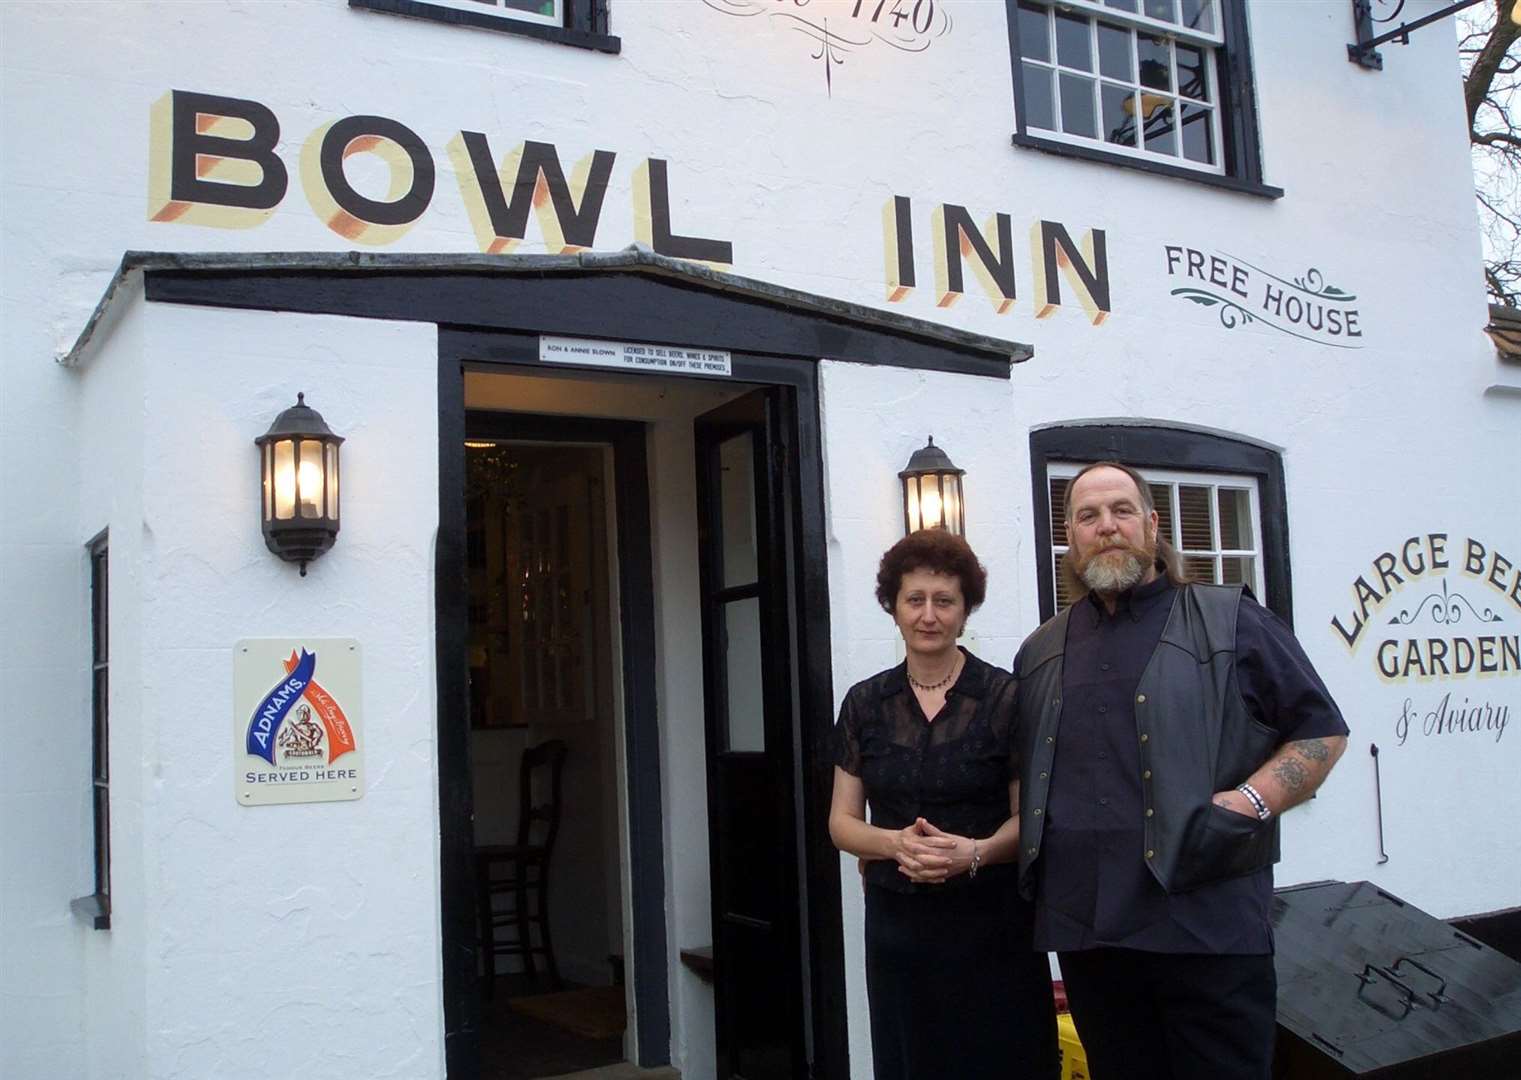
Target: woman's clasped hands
x=928 y=855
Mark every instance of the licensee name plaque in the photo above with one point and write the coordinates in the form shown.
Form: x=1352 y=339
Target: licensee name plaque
x=656 y=359
x=296 y=721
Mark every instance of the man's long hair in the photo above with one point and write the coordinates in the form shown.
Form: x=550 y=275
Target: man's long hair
x=1168 y=561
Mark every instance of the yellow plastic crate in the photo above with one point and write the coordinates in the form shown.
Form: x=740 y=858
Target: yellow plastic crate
x=1074 y=1061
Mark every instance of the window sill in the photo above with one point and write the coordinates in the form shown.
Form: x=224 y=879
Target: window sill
x=1155 y=168
x=93 y=910
x=581 y=39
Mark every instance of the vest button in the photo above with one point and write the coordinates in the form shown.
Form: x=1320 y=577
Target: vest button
x=1149 y=812
x=1144 y=737
x=1056 y=701
x=1049 y=739
x=1150 y=854
x=1037 y=811
x=1140 y=699
x=1144 y=776
x=1030 y=851
x=1042 y=776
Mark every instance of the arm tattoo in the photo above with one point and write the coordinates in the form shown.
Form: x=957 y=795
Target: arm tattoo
x=1291 y=773
x=1312 y=749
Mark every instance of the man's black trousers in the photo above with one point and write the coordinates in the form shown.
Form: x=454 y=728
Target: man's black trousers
x=1164 y=1016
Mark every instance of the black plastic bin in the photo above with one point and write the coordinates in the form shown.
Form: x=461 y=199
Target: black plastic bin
x=1369 y=986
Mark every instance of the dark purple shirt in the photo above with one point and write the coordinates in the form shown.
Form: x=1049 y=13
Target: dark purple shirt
x=1094 y=888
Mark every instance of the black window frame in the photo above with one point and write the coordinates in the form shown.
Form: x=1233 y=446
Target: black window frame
x=586 y=21
x=95 y=909
x=1158 y=447
x=1241 y=148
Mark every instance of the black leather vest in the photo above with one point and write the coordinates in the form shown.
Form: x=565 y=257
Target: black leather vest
x=1195 y=738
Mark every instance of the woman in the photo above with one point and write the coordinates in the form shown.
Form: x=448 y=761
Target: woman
x=955 y=987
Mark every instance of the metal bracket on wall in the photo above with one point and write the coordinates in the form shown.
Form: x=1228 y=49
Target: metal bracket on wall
x=1378 y=795
x=1364 y=51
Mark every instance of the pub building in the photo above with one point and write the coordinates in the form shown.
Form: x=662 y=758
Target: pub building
x=450 y=444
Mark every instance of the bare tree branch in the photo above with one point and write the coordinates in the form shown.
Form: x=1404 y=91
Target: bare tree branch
x=1489 y=47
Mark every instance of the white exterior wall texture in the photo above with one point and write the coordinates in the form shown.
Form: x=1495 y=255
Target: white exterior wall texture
x=225 y=930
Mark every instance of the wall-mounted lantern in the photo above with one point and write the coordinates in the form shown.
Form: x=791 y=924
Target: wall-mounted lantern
x=298 y=465
x=932 y=491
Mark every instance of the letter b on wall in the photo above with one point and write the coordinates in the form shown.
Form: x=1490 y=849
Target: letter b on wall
x=212 y=161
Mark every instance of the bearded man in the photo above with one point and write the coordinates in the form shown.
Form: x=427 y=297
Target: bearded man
x=1163 y=727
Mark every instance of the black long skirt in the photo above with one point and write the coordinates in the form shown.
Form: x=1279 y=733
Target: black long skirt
x=956 y=990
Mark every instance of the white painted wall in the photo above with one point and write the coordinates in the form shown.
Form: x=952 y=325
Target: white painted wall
x=1403 y=436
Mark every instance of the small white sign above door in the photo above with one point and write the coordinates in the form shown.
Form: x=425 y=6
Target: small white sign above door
x=656 y=359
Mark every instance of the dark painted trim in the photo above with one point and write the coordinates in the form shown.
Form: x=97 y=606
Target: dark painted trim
x=462 y=1050
x=92 y=911
x=641 y=710
x=1241 y=142
x=1152 y=447
x=583 y=33
x=622 y=306
x=1155 y=168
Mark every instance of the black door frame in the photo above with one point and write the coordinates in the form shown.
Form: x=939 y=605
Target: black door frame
x=461 y=349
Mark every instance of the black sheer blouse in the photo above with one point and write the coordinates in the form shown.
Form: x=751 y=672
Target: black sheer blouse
x=953 y=771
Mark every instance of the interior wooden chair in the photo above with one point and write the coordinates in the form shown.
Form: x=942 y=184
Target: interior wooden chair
x=518 y=873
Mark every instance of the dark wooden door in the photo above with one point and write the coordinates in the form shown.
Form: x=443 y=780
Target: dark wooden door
x=758 y=955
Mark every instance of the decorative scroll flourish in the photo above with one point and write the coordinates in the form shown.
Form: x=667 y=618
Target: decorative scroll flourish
x=909 y=26
x=1446 y=608
x=1231 y=313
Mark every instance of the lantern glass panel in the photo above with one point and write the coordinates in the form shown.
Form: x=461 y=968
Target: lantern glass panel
x=332 y=480
x=309 y=479
x=931 y=504
x=285 y=479
x=911 y=494
x=952 y=489
x=267 y=480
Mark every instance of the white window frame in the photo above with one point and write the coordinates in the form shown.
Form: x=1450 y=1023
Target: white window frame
x=496 y=9
x=1064 y=470
x=1209 y=43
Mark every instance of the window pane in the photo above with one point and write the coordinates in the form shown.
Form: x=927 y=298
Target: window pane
x=1034 y=33
x=1077 y=106
x=1237 y=570
x=1156 y=61
x=1161 y=497
x=1198 y=138
x=1235 y=519
x=1161 y=9
x=1062 y=592
x=529 y=7
x=1199 y=14
x=101 y=690
x=736 y=498
x=1116 y=58
x=1193 y=78
x=1074 y=46
x=745 y=719
x=332 y=481
x=1200 y=568
x=1160 y=128
x=1121 y=5
x=1059 y=511
x=1119 y=114
x=1040 y=104
x=1194 y=516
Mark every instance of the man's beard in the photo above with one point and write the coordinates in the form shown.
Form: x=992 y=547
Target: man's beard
x=1118 y=566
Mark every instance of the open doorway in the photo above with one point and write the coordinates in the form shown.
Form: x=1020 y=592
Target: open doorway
x=544 y=758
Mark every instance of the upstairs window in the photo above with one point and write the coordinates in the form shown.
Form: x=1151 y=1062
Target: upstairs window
x=583 y=23
x=1163 y=85
x=95 y=909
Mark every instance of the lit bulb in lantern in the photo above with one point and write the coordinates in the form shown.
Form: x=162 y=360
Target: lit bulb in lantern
x=309 y=480
x=929 y=508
